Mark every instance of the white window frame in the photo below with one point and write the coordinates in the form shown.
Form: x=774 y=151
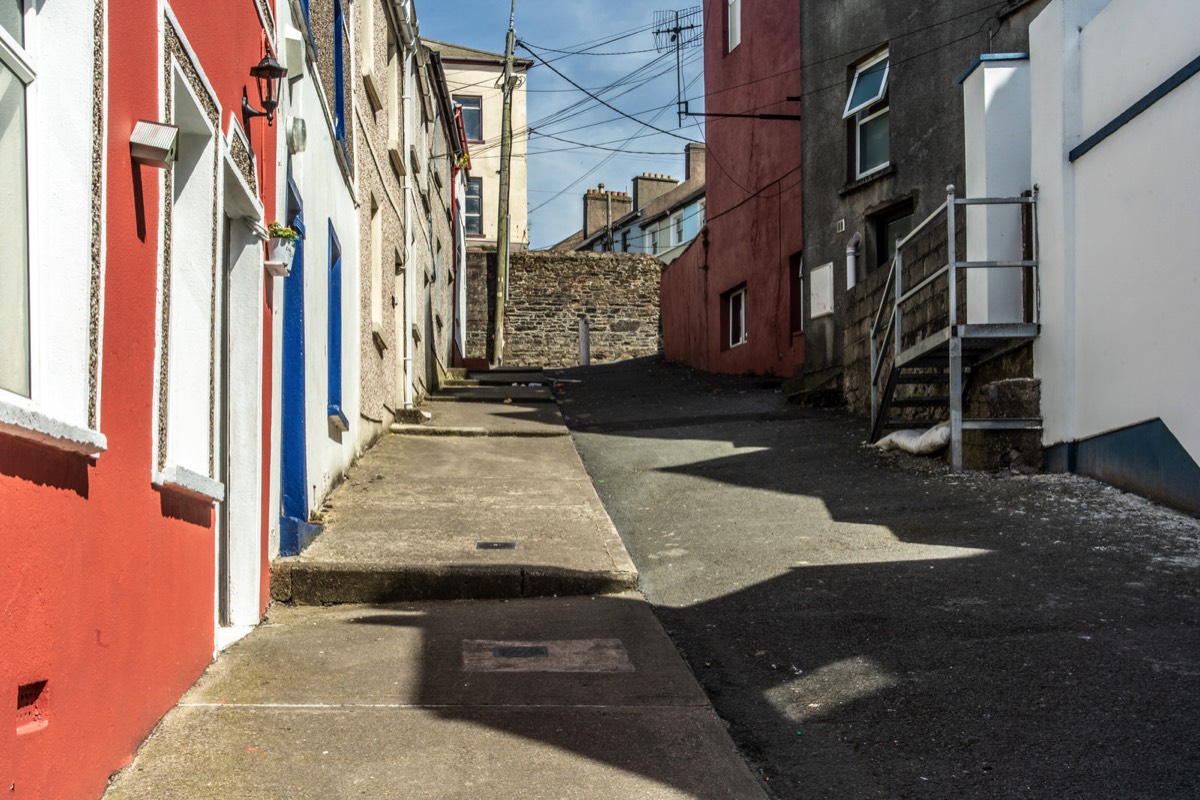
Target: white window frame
x=17 y=58
x=863 y=113
x=677 y=228
x=735 y=24
x=59 y=406
x=883 y=86
x=740 y=293
x=858 y=128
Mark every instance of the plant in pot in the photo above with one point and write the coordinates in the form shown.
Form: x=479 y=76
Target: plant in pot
x=283 y=243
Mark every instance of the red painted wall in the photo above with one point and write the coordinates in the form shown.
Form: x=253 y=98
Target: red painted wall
x=753 y=208
x=108 y=584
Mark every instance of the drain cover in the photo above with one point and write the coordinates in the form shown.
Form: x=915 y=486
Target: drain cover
x=496 y=546
x=521 y=652
x=554 y=655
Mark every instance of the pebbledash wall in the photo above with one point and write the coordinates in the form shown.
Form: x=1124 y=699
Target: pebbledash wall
x=549 y=292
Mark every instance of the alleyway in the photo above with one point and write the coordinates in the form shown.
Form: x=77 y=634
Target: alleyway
x=872 y=626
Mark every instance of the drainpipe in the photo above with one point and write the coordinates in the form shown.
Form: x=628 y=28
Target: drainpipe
x=852 y=259
x=410 y=284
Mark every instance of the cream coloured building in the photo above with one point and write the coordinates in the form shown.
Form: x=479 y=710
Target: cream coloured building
x=474 y=78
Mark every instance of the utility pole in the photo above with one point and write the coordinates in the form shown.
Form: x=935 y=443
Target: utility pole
x=504 y=231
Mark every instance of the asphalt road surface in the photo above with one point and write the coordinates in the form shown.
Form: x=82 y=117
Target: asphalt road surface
x=870 y=625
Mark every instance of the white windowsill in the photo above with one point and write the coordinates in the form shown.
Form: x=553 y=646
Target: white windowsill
x=180 y=479
x=32 y=425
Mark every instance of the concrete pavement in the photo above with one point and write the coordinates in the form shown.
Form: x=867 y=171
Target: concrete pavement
x=505 y=510
x=578 y=696
x=544 y=698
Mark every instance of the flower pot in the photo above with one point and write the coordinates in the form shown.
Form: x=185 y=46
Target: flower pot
x=283 y=251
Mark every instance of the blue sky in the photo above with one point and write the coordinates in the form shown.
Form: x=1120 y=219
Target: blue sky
x=560 y=172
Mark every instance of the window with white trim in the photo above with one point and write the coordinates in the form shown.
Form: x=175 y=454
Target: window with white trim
x=474 y=207
x=472 y=111
x=49 y=342
x=16 y=75
x=869 y=115
x=735 y=317
x=677 y=229
x=735 y=24
x=189 y=290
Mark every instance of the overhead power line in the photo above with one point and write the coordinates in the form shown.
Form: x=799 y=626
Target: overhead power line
x=600 y=100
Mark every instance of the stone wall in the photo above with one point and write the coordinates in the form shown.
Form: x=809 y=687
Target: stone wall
x=924 y=313
x=550 y=291
x=481 y=302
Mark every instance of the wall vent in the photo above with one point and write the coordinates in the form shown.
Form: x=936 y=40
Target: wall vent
x=32 y=711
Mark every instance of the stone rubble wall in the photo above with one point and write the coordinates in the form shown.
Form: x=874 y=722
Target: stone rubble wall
x=549 y=292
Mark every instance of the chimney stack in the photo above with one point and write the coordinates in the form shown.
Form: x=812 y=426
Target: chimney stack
x=595 y=209
x=649 y=186
x=694 y=154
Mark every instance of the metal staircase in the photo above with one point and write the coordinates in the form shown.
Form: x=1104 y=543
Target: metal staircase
x=940 y=357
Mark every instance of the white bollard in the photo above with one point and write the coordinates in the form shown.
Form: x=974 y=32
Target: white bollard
x=585 y=343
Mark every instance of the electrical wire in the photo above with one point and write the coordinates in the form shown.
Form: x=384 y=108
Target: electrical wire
x=601 y=101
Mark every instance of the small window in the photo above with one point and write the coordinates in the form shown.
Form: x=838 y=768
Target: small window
x=870 y=117
x=394 y=76
x=869 y=85
x=734 y=317
x=677 y=229
x=625 y=241
x=872 y=145
x=796 y=290
x=474 y=213
x=337 y=417
x=654 y=241
x=735 y=24
x=889 y=226
x=472 y=109
x=339 y=74
x=377 y=288
x=16 y=76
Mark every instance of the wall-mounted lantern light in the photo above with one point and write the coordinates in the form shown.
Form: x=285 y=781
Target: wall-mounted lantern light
x=153 y=143
x=269 y=73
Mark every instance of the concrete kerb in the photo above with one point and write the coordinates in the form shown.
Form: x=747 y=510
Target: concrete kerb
x=315 y=583
x=434 y=430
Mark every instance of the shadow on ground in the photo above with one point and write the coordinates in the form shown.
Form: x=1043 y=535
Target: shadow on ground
x=872 y=626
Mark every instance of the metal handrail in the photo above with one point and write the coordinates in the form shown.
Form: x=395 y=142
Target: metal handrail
x=893 y=331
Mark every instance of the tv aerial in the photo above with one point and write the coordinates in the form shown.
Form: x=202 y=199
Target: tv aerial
x=677 y=31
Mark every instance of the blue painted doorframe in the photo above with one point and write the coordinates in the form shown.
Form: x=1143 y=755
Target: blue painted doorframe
x=295 y=531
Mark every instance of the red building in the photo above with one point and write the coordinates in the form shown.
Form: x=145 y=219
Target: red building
x=732 y=302
x=134 y=362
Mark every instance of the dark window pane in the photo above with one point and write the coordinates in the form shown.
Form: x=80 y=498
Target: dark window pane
x=472 y=109
x=868 y=86
x=873 y=149
x=474 y=211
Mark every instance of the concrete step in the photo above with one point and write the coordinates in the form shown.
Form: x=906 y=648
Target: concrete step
x=495 y=394
x=309 y=583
